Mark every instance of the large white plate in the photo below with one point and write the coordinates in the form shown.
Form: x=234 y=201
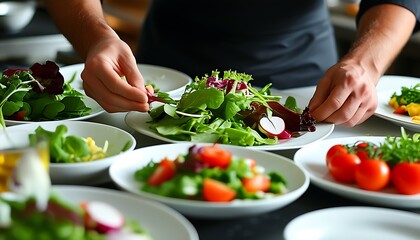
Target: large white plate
x=386 y=87
x=123 y=169
x=349 y=223
x=89 y=102
x=160 y=221
x=312 y=159
x=167 y=80
x=140 y=122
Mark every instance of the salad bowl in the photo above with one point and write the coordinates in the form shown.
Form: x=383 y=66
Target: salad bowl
x=83 y=173
x=122 y=172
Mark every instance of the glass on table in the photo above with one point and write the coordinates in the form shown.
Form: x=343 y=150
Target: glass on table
x=20 y=159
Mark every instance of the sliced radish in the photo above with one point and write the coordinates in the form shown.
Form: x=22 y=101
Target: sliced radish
x=271 y=127
x=103 y=217
x=285 y=135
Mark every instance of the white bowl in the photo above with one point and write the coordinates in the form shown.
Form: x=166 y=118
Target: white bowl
x=88 y=173
x=123 y=169
x=147 y=213
x=14 y=16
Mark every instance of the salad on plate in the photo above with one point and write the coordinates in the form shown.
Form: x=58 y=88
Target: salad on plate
x=227 y=110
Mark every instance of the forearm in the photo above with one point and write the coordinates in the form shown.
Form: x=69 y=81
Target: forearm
x=383 y=31
x=81 y=22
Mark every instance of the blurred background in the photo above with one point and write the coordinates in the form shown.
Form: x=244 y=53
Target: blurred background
x=39 y=40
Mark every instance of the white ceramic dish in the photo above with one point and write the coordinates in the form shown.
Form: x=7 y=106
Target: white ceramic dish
x=167 y=80
x=386 y=87
x=140 y=122
x=16 y=15
x=312 y=159
x=122 y=173
x=349 y=223
x=88 y=173
x=89 y=102
x=160 y=221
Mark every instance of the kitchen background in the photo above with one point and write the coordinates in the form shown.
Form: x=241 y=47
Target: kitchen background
x=40 y=40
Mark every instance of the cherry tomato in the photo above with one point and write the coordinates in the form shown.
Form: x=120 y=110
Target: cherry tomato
x=406 y=177
x=256 y=183
x=372 y=174
x=213 y=156
x=334 y=150
x=216 y=191
x=342 y=167
x=164 y=171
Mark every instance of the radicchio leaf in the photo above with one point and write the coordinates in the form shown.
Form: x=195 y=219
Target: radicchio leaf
x=49 y=76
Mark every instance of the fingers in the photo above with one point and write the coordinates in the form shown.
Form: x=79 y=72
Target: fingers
x=113 y=93
x=343 y=98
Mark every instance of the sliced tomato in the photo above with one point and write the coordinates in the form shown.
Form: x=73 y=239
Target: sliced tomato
x=256 y=183
x=372 y=174
x=406 y=177
x=400 y=110
x=343 y=166
x=19 y=116
x=335 y=150
x=164 y=172
x=216 y=191
x=213 y=156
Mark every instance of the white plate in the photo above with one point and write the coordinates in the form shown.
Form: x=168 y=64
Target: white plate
x=350 y=223
x=85 y=173
x=386 y=87
x=123 y=169
x=312 y=159
x=161 y=222
x=140 y=122
x=167 y=80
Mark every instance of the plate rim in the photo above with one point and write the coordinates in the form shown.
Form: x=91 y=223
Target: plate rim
x=327 y=129
x=338 y=211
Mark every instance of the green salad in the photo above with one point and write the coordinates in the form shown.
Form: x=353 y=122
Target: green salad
x=227 y=110
x=210 y=173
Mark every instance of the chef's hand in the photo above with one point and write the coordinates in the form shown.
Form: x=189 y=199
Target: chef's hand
x=106 y=64
x=345 y=95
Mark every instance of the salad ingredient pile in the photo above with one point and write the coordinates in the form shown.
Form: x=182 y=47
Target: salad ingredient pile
x=227 y=110
x=375 y=166
x=210 y=173
x=61 y=220
x=408 y=102
x=38 y=94
x=70 y=148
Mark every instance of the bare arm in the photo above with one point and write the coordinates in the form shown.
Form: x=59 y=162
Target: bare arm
x=347 y=92
x=107 y=57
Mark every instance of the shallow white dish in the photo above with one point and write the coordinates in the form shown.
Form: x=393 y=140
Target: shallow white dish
x=312 y=159
x=89 y=102
x=88 y=173
x=386 y=87
x=140 y=122
x=349 y=223
x=160 y=221
x=167 y=80
x=122 y=173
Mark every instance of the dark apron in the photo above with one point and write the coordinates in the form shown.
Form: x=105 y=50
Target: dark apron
x=287 y=43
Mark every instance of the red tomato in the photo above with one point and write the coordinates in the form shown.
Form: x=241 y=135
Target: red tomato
x=406 y=177
x=216 y=191
x=334 y=150
x=342 y=167
x=164 y=171
x=19 y=116
x=400 y=110
x=372 y=174
x=214 y=156
x=256 y=183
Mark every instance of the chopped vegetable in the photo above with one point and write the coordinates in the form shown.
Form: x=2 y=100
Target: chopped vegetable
x=210 y=173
